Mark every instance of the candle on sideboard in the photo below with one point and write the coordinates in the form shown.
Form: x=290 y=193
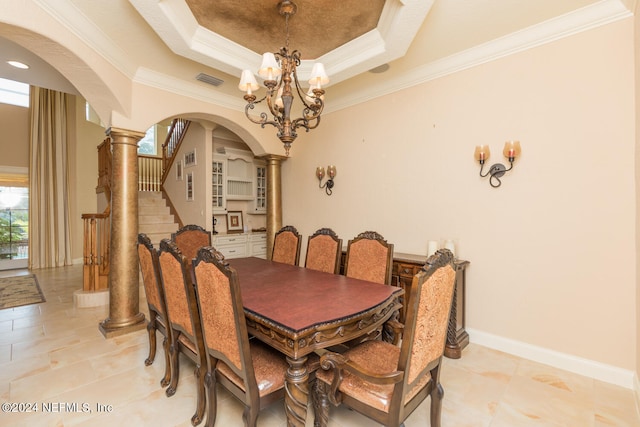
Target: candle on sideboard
x=449 y=244
x=432 y=247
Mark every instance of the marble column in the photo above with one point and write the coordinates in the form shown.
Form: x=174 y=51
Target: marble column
x=124 y=300
x=274 y=198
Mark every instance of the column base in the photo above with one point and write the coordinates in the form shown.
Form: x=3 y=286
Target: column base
x=111 y=329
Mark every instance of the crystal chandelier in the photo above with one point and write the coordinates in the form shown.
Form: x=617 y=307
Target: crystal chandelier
x=279 y=71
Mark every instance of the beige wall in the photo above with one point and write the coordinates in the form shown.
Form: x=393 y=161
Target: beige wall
x=14 y=138
x=637 y=165
x=552 y=251
x=83 y=172
x=192 y=212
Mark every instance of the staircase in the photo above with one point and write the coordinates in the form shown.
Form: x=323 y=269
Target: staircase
x=154 y=213
x=154 y=217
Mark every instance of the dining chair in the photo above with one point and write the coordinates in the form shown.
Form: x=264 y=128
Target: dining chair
x=286 y=246
x=369 y=257
x=156 y=303
x=190 y=238
x=186 y=330
x=324 y=250
x=386 y=382
x=252 y=371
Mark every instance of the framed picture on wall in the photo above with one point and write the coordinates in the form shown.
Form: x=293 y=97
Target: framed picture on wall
x=189 y=187
x=190 y=158
x=234 y=222
x=179 y=170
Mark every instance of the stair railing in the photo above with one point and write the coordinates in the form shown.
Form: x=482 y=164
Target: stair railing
x=172 y=143
x=95 y=272
x=95 y=251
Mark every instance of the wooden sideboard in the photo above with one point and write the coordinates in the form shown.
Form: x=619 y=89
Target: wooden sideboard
x=405 y=266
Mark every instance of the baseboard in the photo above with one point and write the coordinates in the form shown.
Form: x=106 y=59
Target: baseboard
x=600 y=371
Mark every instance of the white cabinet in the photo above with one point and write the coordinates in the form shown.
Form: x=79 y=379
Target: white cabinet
x=241 y=244
x=258 y=243
x=239 y=179
x=236 y=175
x=231 y=245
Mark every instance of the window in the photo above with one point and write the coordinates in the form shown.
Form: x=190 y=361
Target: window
x=14 y=93
x=147 y=145
x=14 y=223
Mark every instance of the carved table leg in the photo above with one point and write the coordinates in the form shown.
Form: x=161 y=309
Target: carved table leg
x=297 y=392
x=320 y=404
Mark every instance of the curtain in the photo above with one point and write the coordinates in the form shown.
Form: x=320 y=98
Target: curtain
x=49 y=233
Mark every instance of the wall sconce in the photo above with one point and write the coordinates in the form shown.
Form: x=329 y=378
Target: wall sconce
x=331 y=173
x=511 y=151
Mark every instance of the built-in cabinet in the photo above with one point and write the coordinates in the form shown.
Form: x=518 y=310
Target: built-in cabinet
x=240 y=245
x=236 y=175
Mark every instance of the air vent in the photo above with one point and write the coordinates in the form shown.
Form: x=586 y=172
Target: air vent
x=206 y=78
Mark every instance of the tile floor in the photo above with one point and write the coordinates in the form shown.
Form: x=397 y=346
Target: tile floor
x=53 y=355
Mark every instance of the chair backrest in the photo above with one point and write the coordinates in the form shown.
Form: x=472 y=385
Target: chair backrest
x=148 y=258
x=222 y=316
x=190 y=239
x=323 y=251
x=425 y=331
x=369 y=257
x=176 y=284
x=286 y=246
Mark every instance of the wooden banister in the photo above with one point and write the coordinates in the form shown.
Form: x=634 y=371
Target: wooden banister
x=95 y=251
x=170 y=147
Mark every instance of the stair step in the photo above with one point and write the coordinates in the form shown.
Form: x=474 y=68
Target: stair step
x=152 y=218
x=158 y=228
x=151 y=203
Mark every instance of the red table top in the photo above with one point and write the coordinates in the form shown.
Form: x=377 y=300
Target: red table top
x=297 y=298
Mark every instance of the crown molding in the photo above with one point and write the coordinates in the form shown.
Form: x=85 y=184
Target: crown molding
x=584 y=19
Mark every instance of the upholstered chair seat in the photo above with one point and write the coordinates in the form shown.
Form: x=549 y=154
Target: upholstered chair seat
x=269 y=366
x=386 y=382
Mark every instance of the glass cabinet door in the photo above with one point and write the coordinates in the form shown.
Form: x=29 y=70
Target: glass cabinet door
x=217 y=186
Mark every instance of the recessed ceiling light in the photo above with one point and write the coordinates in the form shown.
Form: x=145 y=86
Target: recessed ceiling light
x=18 y=64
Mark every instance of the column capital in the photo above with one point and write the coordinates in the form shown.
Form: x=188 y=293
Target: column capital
x=273 y=158
x=124 y=136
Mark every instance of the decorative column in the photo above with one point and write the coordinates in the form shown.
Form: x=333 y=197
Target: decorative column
x=124 y=301
x=274 y=198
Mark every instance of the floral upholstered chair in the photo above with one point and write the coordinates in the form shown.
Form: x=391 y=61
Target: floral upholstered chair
x=148 y=257
x=186 y=330
x=383 y=381
x=190 y=239
x=323 y=251
x=252 y=371
x=286 y=246
x=369 y=257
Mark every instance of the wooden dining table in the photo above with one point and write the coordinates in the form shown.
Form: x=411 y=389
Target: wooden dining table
x=297 y=311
